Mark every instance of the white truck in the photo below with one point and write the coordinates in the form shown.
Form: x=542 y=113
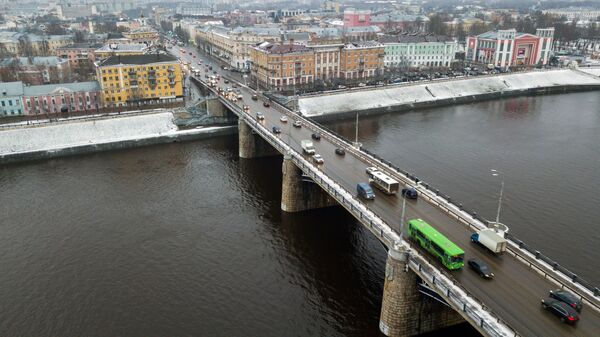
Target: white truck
x=307 y=147
x=489 y=239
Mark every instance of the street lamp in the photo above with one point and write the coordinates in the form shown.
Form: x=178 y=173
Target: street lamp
x=356 y=143
x=496 y=173
x=402 y=215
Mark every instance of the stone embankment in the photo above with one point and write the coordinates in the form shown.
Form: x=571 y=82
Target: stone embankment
x=71 y=137
x=411 y=96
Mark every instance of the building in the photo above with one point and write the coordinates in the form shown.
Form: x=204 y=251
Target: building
x=194 y=9
x=282 y=66
x=362 y=33
x=506 y=48
x=10 y=98
x=243 y=38
x=356 y=18
x=400 y=22
x=362 y=60
x=64 y=97
x=575 y=13
x=327 y=60
x=22 y=44
x=416 y=51
x=116 y=49
x=146 y=35
x=37 y=70
x=135 y=80
x=78 y=53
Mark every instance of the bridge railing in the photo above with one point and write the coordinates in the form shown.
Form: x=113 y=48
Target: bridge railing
x=458 y=298
x=534 y=259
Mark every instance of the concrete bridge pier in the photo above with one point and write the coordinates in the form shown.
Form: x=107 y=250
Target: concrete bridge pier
x=298 y=195
x=405 y=312
x=252 y=145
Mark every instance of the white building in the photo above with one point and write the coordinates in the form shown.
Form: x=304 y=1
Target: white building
x=415 y=51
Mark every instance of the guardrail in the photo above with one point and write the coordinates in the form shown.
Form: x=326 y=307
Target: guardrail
x=534 y=259
x=457 y=297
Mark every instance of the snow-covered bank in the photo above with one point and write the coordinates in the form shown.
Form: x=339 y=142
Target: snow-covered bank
x=591 y=71
x=74 y=137
x=446 y=92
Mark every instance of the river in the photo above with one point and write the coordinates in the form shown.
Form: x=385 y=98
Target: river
x=187 y=239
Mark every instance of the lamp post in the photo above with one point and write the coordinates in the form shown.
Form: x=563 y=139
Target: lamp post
x=496 y=173
x=356 y=143
x=402 y=215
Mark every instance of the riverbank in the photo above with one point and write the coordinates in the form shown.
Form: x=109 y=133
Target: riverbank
x=27 y=142
x=439 y=93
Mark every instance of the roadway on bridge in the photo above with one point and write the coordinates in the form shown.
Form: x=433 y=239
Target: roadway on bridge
x=515 y=292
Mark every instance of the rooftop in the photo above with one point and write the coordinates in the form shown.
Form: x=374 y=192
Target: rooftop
x=45 y=89
x=362 y=44
x=82 y=46
x=405 y=38
x=131 y=47
x=282 y=48
x=11 y=89
x=138 y=59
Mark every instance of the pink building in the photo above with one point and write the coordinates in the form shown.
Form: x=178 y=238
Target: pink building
x=356 y=18
x=78 y=52
x=64 y=97
x=506 y=48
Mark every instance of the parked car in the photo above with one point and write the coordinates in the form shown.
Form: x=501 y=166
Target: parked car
x=255 y=97
x=567 y=297
x=318 y=159
x=481 y=268
x=340 y=151
x=283 y=119
x=247 y=108
x=297 y=124
x=266 y=104
x=276 y=130
x=561 y=310
x=316 y=136
x=260 y=116
x=226 y=81
x=365 y=191
x=410 y=193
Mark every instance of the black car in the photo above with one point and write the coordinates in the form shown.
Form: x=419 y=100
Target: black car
x=566 y=297
x=561 y=309
x=316 y=136
x=480 y=268
x=340 y=151
x=266 y=104
x=410 y=193
x=255 y=97
x=276 y=130
x=226 y=81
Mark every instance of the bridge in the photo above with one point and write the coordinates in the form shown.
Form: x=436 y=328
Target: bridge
x=420 y=295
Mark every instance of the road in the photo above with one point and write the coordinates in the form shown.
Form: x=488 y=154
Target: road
x=516 y=290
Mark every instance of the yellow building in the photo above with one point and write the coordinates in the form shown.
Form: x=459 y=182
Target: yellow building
x=142 y=35
x=115 y=49
x=136 y=80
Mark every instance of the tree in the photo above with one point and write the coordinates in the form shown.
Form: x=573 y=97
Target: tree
x=436 y=25
x=54 y=28
x=460 y=32
x=79 y=36
x=44 y=48
x=4 y=53
x=25 y=46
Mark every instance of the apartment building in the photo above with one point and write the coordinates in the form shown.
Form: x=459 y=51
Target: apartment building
x=282 y=66
x=119 y=49
x=10 y=98
x=63 y=97
x=362 y=60
x=415 y=51
x=78 y=53
x=140 y=80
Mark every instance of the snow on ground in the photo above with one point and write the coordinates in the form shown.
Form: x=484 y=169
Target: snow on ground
x=434 y=90
x=592 y=71
x=77 y=133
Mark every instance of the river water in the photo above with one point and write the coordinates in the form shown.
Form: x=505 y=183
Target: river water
x=186 y=239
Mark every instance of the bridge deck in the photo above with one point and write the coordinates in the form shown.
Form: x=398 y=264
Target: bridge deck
x=515 y=292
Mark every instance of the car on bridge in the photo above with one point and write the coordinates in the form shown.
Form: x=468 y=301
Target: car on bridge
x=480 y=268
x=260 y=116
x=318 y=159
x=266 y=104
x=316 y=136
x=561 y=310
x=255 y=97
x=340 y=151
x=365 y=191
x=276 y=130
x=566 y=297
x=297 y=124
x=410 y=193
x=283 y=119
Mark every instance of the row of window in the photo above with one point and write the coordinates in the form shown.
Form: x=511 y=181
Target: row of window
x=10 y=103
x=121 y=98
x=116 y=71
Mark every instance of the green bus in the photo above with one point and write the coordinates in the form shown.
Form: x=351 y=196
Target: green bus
x=451 y=256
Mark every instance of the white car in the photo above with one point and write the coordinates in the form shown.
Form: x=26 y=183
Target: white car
x=283 y=119
x=318 y=159
x=371 y=170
